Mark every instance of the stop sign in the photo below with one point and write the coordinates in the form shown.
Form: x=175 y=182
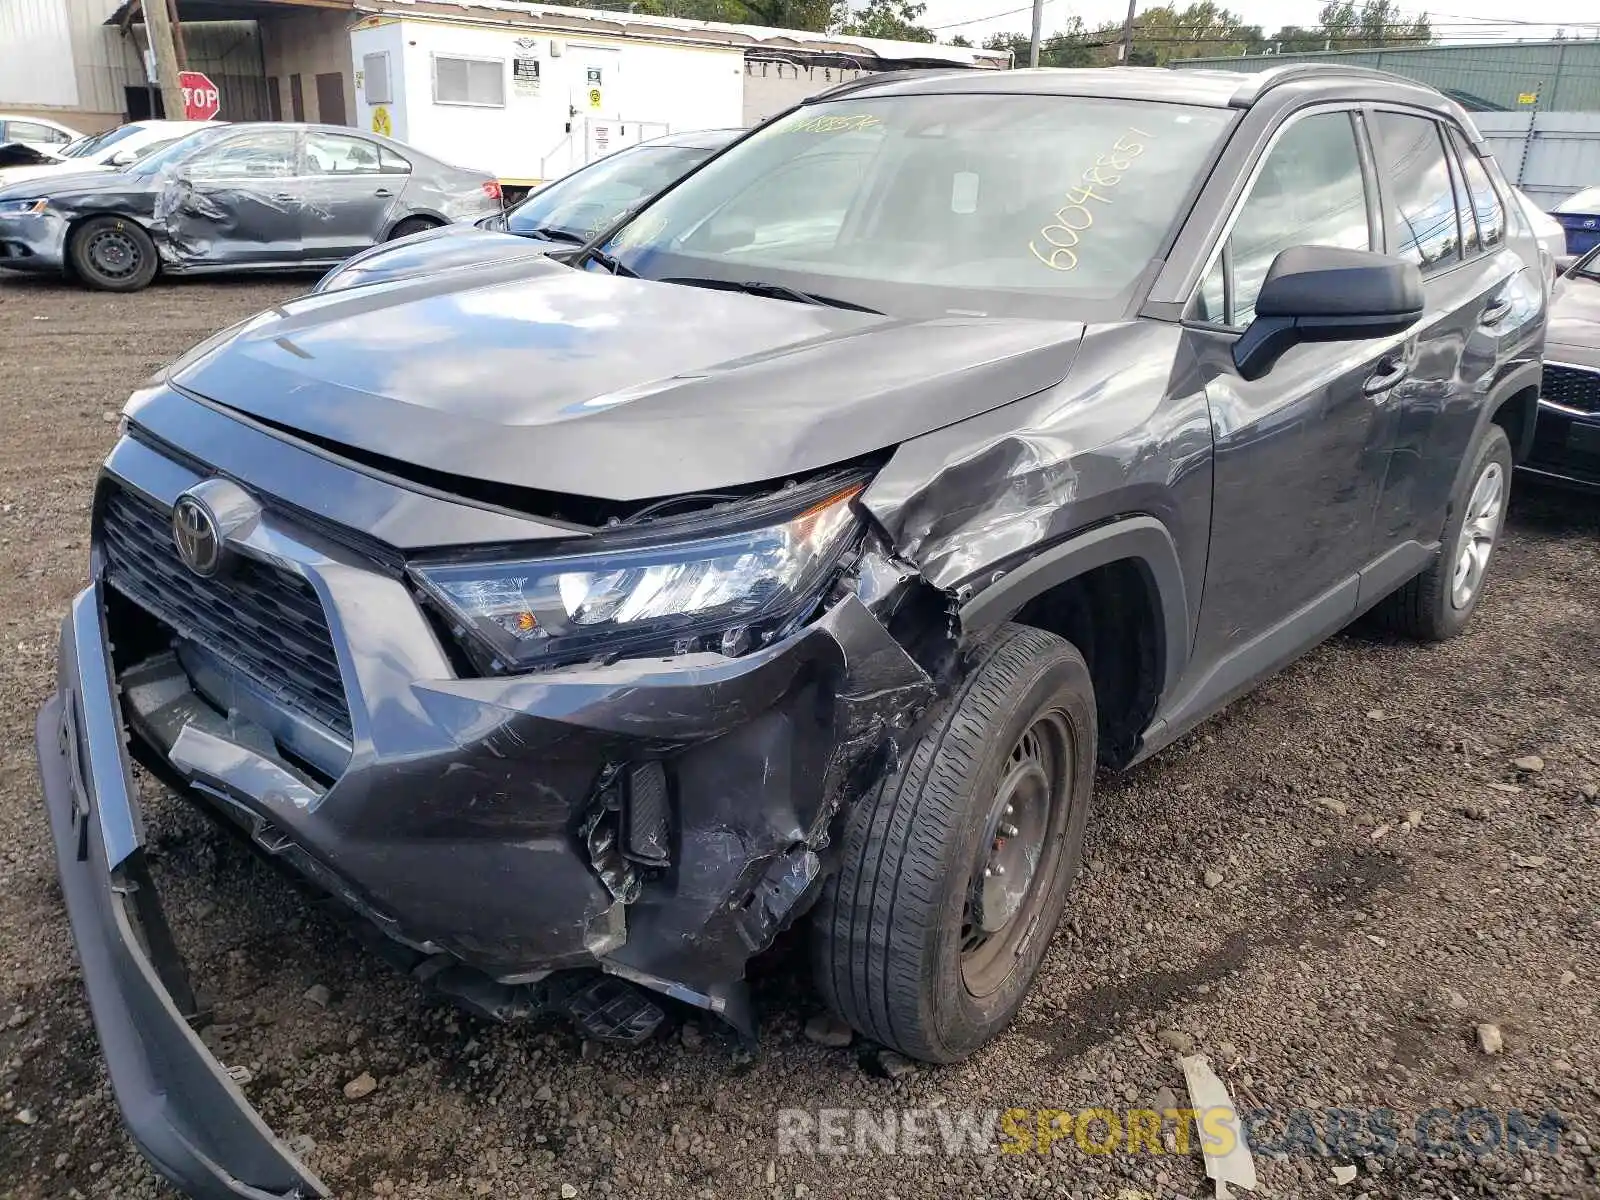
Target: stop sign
x=201 y=100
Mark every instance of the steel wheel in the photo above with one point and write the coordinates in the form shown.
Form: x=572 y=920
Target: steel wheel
x=1021 y=835
x=1485 y=510
x=114 y=254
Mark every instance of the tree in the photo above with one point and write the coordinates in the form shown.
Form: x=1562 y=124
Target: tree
x=893 y=19
x=1375 y=23
x=959 y=40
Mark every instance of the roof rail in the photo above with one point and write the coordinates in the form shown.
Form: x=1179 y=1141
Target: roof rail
x=868 y=79
x=1251 y=90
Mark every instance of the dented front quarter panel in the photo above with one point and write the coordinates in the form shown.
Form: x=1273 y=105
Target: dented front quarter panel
x=1127 y=432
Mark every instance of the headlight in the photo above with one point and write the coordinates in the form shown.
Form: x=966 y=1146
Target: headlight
x=726 y=592
x=11 y=207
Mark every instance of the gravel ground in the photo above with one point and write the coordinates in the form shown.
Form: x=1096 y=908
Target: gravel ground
x=1327 y=889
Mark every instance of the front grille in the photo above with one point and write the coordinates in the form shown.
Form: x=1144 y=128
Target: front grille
x=1572 y=387
x=264 y=622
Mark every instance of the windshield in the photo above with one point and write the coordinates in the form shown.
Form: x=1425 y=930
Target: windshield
x=585 y=202
x=99 y=143
x=175 y=152
x=963 y=202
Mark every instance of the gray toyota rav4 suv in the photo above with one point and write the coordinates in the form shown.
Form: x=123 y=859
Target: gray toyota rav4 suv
x=795 y=549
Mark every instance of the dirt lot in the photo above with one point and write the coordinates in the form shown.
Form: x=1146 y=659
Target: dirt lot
x=1389 y=879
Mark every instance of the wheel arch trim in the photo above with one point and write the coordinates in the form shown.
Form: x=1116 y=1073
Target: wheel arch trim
x=1144 y=540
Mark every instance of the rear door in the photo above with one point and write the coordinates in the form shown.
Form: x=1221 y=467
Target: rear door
x=1442 y=212
x=351 y=198
x=1299 y=454
x=238 y=201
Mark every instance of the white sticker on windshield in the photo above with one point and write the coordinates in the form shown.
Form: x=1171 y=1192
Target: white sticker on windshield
x=964 y=192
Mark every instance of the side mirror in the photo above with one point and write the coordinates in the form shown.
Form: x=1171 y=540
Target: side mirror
x=1326 y=294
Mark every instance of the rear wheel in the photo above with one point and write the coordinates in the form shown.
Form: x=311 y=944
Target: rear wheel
x=412 y=225
x=1438 y=603
x=955 y=872
x=113 y=254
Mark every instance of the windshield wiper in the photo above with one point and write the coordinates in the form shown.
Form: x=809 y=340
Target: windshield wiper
x=610 y=263
x=552 y=234
x=774 y=291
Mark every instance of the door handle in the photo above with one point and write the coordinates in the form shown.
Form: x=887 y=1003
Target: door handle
x=383 y=192
x=1494 y=311
x=1391 y=370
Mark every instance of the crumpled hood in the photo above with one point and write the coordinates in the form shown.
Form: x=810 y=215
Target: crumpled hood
x=533 y=374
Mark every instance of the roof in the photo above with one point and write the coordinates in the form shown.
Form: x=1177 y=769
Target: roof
x=773 y=43
x=1215 y=89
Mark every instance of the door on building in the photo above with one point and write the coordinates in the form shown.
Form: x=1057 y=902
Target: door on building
x=297 y=98
x=330 y=99
x=594 y=100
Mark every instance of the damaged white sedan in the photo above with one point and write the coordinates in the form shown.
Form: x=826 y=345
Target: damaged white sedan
x=235 y=197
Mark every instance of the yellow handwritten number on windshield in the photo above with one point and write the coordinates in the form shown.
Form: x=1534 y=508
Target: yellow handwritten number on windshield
x=1063 y=235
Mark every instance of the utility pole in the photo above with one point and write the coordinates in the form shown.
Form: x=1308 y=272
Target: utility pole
x=177 y=35
x=158 y=28
x=1125 y=55
x=1033 y=45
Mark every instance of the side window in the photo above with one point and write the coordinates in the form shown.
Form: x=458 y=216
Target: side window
x=1309 y=192
x=267 y=154
x=1422 y=204
x=336 y=154
x=32 y=131
x=391 y=163
x=1485 y=201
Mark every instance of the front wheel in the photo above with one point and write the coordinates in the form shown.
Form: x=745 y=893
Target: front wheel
x=113 y=254
x=954 y=873
x=1438 y=603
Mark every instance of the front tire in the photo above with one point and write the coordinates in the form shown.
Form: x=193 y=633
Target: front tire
x=113 y=254
x=1437 y=604
x=919 y=942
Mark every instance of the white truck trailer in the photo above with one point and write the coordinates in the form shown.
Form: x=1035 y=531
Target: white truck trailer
x=531 y=92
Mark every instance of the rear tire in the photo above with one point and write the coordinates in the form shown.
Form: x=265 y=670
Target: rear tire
x=113 y=254
x=1437 y=604
x=412 y=225
x=916 y=944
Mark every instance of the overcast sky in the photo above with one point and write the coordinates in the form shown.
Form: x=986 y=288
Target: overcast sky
x=1495 y=20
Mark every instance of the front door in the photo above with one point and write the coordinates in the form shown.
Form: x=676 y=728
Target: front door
x=1299 y=454
x=349 y=196
x=238 y=201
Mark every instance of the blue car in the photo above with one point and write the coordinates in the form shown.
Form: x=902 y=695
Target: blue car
x=1580 y=217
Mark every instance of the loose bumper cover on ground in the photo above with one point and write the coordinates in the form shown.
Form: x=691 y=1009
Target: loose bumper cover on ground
x=581 y=841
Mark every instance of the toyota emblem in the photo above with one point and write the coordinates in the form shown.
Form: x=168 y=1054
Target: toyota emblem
x=196 y=537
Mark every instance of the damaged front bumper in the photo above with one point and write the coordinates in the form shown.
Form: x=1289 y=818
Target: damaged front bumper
x=183 y=1111
x=581 y=841
x=34 y=241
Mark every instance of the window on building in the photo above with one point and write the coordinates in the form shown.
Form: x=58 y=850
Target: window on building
x=469 y=81
x=1309 y=192
x=1486 y=206
x=1422 y=203
x=375 y=86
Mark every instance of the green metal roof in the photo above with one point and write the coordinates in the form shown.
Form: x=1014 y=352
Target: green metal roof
x=1498 y=76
